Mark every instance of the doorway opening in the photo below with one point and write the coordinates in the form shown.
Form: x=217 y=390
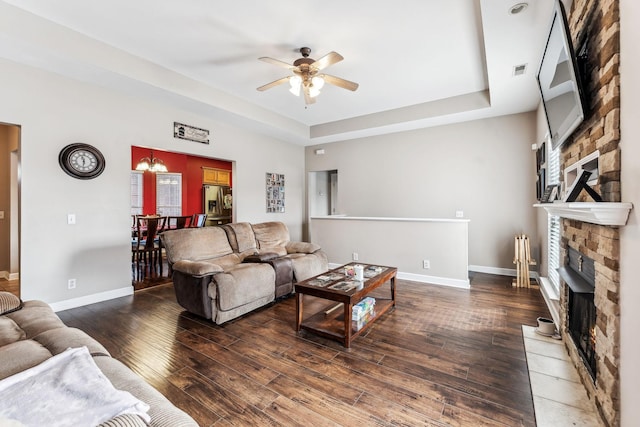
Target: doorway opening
x=323 y=193
x=194 y=191
x=10 y=208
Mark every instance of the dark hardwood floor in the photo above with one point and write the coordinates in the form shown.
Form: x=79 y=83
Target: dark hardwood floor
x=12 y=286
x=444 y=357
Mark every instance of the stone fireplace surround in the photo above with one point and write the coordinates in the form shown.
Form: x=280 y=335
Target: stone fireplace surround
x=598 y=23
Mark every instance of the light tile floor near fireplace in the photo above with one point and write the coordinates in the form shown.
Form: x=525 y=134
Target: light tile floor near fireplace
x=559 y=398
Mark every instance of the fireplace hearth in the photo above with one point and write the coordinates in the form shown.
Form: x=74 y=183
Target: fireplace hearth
x=579 y=274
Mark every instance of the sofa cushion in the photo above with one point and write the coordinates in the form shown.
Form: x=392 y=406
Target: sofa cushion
x=195 y=244
x=9 y=302
x=241 y=237
x=35 y=318
x=10 y=331
x=271 y=235
x=58 y=340
x=21 y=355
x=243 y=284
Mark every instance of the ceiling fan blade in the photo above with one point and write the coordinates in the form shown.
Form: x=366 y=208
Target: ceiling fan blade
x=277 y=62
x=307 y=97
x=329 y=59
x=337 y=81
x=273 y=83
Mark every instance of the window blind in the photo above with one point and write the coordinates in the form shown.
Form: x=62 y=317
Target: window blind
x=169 y=194
x=554 y=223
x=137 y=200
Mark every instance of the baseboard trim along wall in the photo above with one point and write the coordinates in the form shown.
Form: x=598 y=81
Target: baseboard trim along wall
x=9 y=276
x=91 y=299
x=434 y=280
x=499 y=271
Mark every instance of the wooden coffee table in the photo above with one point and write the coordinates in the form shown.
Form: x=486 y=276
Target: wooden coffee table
x=333 y=285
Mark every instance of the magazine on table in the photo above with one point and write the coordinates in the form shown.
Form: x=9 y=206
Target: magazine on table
x=345 y=286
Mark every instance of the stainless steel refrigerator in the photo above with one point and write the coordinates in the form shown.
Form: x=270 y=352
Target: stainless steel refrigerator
x=217 y=204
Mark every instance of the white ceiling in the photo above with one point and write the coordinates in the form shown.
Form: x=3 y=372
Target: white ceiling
x=419 y=62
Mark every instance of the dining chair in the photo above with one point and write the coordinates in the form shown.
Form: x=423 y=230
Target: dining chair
x=145 y=247
x=178 y=222
x=198 y=220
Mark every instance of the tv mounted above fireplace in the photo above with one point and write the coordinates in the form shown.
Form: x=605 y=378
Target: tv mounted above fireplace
x=559 y=81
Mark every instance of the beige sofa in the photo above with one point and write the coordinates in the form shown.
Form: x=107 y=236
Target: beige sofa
x=221 y=273
x=34 y=333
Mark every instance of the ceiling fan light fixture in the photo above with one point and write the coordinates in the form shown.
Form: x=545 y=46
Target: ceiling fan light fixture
x=296 y=83
x=313 y=91
x=317 y=82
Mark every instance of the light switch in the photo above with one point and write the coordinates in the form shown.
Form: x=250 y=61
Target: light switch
x=71 y=219
x=1 y=214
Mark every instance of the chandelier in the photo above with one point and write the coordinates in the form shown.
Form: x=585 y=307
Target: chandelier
x=151 y=164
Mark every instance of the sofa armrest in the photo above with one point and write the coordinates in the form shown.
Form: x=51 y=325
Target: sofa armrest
x=302 y=248
x=197 y=268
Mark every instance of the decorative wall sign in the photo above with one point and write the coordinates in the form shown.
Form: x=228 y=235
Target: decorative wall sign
x=191 y=133
x=275 y=192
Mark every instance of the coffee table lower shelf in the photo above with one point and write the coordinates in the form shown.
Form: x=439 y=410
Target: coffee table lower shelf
x=332 y=325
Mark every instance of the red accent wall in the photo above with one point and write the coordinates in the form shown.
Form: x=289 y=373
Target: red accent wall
x=191 y=169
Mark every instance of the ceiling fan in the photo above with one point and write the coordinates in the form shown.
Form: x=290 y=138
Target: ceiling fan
x=307 y=76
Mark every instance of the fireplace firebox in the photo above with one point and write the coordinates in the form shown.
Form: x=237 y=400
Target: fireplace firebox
x=579 y=274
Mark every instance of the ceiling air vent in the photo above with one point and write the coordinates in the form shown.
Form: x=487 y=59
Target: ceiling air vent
x=519 y=70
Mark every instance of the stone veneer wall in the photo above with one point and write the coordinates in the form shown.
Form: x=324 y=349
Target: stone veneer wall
x=599 y=23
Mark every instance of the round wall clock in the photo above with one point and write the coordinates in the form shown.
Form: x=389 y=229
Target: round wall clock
x=82 y=161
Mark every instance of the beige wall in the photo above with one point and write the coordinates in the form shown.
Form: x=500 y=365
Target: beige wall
x=485 y=168
x=630 y=234
x=55 y=111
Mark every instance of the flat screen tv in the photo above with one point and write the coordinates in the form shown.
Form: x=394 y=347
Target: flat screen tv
x=559 y=81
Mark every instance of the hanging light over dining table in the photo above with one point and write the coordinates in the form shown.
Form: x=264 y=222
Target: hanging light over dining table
x=151 y=164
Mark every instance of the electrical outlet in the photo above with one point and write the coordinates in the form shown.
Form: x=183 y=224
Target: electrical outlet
x=459 y=214
x=426 y=264
x=355 y=256
x=1 y=214
x=71 y=219
x=71 y=284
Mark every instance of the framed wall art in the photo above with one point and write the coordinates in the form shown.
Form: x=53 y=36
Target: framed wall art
x=275 y=192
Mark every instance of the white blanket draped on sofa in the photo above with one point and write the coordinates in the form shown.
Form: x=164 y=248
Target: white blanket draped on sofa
x=65 y=390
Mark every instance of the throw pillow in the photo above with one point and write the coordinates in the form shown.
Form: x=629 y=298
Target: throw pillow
x=9 y=302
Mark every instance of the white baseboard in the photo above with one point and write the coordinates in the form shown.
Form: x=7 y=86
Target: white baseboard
x=434 y=280
x=9 y=276
x=511 y=272
x=91 y=299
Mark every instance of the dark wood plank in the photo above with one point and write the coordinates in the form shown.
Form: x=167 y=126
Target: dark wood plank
x=444 y=356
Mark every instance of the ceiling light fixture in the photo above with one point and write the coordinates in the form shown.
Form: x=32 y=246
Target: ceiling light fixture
x=518 y=8
x=151 y=164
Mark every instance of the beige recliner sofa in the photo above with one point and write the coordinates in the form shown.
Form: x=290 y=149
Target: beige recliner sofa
x=32 y=334
x=221 y=273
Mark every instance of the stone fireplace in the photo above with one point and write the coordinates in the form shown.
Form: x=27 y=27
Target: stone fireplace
x=596 y=349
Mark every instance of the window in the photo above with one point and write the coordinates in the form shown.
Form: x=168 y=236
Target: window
x=137 y=200
x=554 y=223
x=169 y=194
